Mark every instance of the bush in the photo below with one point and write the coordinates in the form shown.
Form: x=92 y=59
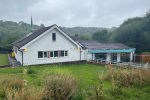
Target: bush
x=9 y=82
x=31 y=93
x=60 y=87
x=126 y=77
x=54 y=87
x=31 y=71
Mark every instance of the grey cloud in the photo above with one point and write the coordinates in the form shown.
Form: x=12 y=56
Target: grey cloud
x=70 y=13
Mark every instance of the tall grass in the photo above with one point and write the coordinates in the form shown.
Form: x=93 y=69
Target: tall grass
x=126 y=77
x=4 y=59
x=58 y=86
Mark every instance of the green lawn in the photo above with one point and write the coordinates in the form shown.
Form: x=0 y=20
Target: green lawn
x=87 y=76
x=4 y=59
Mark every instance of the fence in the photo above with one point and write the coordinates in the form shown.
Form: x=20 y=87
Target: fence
x=144 y=57
x=9 y=50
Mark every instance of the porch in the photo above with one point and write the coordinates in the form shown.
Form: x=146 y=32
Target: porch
x=112 y=56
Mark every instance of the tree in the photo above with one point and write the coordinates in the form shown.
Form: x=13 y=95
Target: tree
x=10 y=38
x=42 y=26
x=85 y=36
x=76 y=35
x=135 y=33
x=100 y=36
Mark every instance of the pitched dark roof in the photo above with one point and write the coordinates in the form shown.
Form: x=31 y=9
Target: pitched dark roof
x=94 y=45
x=76 y=38
x=24 y=40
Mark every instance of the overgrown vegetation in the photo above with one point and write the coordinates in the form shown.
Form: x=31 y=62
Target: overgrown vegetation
x=77 y=82
x=124 y=80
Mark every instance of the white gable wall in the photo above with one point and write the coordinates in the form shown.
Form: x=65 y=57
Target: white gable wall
x=88 y=55
x=45 y=43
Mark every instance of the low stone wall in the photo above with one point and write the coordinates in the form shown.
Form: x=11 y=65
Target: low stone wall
x=4 y=66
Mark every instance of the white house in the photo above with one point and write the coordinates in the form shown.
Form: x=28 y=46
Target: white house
x=47 y=45
x=52 y=45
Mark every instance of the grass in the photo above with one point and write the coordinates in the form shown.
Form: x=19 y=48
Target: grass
x=4 y=59
x=87 y=79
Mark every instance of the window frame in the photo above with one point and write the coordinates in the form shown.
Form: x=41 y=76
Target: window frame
x=64 y=53
x=53 y=36
x=57 y=54
x=46 y=54
x=42 y=54
x=50 y=54
x=53 y=54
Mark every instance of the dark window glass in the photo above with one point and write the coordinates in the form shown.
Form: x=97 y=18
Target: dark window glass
x=45 y=54
x=55 y=53
x=66 y=54
x=40 y=54
x=51 y=54
x=62 y=53
x=54 y=36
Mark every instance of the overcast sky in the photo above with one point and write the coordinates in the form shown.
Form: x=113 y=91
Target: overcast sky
x=71 y=13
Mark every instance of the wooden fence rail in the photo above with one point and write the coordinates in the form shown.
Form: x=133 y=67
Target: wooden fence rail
x=144 y=57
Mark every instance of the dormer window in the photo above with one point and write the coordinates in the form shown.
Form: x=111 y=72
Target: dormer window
x=53 y=36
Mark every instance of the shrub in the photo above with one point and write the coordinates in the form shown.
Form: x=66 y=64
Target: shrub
x=32 y=93
x=126 y=77
x=31 y=71
x=60 y=87
x=9 y=82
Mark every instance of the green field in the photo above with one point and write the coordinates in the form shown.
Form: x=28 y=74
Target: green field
x=4 y=59
x=87 y=78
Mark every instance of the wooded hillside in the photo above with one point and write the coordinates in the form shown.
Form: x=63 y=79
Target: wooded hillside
x=11 y=31
x=134 y=32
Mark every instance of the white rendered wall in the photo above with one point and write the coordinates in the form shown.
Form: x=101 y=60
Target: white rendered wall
x=45 y=43
x=118 y=57
x=88 y=55
x=108 y=56
x=83 y=54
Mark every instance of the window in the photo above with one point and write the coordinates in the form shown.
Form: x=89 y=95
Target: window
x=58 y=53
x=66 y=53
x=51 y=54
x=53 y=36
x=42 y=54
x=45 y=54
x=55 y=53
x=62 y=53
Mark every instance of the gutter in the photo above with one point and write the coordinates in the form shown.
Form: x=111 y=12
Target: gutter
x=80 y=54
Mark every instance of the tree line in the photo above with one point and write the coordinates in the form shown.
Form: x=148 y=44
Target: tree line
x=11 y=31
x=133 y=32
